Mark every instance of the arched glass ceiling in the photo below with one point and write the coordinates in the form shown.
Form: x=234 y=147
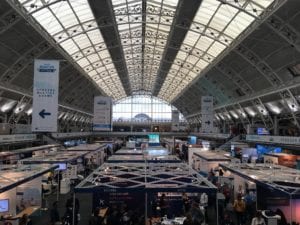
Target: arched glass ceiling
x=73 y=26
x=213 y=29
x=144 y=26
x=144 y=42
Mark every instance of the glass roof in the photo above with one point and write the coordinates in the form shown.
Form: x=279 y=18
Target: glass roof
x=213 y=29
x=144 y=37
x=143 y=28
x=74 y=28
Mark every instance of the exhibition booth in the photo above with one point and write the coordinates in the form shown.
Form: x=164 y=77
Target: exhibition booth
x=70 y=164
x=282 y=159
x=206 y=161
x=276 y=188
x=141 y=188
x=21 y=190
x=96 y=151
x=11 y=157
x=143 y=159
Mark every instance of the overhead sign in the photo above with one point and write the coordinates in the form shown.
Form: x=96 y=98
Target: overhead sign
x=207 y=114
x=102 y=114
x=45 y=96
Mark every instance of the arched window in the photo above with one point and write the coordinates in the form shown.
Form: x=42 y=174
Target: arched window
x=143 y=108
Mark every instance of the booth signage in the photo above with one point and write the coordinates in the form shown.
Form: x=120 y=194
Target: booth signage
x=207 y=114
x=45 y=95
x=102 y=113
x=175 y=120
x=274 y=139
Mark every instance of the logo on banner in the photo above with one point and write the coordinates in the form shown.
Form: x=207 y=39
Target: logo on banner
x=46 y=68
x=101 y=102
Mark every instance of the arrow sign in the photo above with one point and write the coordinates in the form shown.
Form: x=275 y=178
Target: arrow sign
x=207 y=122
x=43 y=113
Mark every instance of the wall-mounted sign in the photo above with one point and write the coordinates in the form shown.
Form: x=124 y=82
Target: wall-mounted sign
x=45 y=96
x=207 y=114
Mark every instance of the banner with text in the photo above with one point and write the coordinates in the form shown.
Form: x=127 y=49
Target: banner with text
x=102 y=113
x=207 y=114
x=175 y=120
x=45 y=96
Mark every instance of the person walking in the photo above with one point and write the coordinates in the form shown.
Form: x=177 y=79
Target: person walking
x=239 y=208
x=54 y=214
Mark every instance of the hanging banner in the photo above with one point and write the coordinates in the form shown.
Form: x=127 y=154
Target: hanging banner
x=102 y=114
x=207 y=114
x=175 y=120
x=45 y=95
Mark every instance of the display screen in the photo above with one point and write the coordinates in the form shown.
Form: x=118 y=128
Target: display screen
x=262 y=149
x=192 y=140
x=262 y=131
x=4 y=205
x=153 y=138
x=62 y=166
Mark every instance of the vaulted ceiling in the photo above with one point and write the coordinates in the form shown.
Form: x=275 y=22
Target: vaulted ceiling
x=242 y=52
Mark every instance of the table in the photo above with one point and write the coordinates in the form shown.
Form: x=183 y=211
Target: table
x=29 y=211
x=102 y=212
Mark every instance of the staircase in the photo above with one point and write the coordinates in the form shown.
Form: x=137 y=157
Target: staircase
x=227 y=145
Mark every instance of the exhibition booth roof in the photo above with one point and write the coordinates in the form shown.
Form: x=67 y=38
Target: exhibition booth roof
x=152 y=177
x=281 y=178
x=143 y=158
x=12 y=176
x=28 y=150
x=87 y=147
x=214 y=155
x=56 y=157
x=157 y=151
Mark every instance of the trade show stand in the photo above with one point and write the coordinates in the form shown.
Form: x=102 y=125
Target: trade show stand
x=10 y=157
x=152 y=191
x=97 y=152
x=277 y=187
x=21 y=190
x=143 y=159
x=205 y=161
x=282 y=159
x=69 y=164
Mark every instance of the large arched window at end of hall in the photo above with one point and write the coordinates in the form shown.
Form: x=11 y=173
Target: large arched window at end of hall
x=143 y=108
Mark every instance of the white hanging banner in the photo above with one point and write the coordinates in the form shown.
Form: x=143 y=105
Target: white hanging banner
x=45 y=96
x=207 y=114
x=175 y=120
x=102 y=114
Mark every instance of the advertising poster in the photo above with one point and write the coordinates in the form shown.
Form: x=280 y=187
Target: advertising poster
x=45 y=95
x=102 y=114
x=207 y=114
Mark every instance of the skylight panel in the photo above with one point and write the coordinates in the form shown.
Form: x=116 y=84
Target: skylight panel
x=72 y=25
x=217 y=25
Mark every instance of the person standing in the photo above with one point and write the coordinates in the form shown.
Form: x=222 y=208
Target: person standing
x=54 y=214
x=258 y=219
x=239 y=208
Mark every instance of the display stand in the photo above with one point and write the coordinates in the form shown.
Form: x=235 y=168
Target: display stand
x=271 y=220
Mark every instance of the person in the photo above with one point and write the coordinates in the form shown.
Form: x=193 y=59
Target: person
x=163 y=205
x=197 y=216
x=221 y=173
x=239 y=208
x=25 y=220
x=95 y=219
x=186 y=203
x=258 y=219
x=204 y=204
x=250 y=204
x=54 y=214
x=188 y=220
x=69 y=210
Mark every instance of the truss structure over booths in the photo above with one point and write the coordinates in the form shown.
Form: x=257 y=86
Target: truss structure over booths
x=281 y=178
x=152 y=177
x=143 y=159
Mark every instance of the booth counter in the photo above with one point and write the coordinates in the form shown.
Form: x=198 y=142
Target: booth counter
x=143 y=159
x=277 y=187
x=283 y=159
x=21 y=190
x=143 y=186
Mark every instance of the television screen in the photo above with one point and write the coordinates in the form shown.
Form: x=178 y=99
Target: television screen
x=262 y=131
x=4 y=205
x=192 y=140
x=153 y=138
x=61 y=166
